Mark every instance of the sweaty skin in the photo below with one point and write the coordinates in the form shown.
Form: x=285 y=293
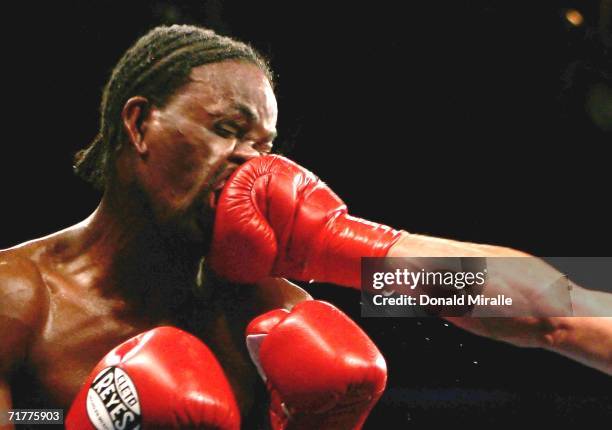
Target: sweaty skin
x=136 y=262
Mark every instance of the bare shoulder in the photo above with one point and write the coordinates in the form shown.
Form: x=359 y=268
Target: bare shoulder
x=23 y=293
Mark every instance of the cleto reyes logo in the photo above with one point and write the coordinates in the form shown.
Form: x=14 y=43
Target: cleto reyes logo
x=112 y=401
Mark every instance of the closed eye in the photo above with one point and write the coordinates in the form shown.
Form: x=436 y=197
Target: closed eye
x=228 y=129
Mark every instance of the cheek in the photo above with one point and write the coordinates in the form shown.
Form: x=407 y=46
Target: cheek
x=182 y=163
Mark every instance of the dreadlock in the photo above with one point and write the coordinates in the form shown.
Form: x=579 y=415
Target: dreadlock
x=154 y=67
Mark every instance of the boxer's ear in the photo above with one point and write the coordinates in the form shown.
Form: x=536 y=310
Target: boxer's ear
x=133 y=115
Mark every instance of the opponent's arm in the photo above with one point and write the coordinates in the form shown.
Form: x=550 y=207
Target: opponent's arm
x=586 y=337
x=277 y=218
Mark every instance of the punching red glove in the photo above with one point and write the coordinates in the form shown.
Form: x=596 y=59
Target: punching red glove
x=163 y=378
x=275 y=218
x=322 y=370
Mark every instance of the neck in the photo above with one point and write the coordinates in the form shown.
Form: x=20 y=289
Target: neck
x=128 y=255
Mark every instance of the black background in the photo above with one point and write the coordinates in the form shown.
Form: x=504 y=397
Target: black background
x=467 y=120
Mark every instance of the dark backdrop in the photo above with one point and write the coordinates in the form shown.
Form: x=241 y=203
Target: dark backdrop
x=482 y=121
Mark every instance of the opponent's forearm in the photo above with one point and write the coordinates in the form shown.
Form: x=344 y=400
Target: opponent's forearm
x=586 y=337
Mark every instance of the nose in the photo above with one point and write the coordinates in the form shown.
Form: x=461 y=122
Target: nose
x=243 y=152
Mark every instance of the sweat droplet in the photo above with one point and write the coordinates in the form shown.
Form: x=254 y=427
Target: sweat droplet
x=311 y=281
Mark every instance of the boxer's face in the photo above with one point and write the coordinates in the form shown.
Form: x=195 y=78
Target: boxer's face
x=223 y=117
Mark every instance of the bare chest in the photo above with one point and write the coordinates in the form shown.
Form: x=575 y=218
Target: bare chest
x=81 y=328
x=78 y=330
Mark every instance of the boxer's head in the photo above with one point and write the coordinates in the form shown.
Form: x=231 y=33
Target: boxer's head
x=182 y=107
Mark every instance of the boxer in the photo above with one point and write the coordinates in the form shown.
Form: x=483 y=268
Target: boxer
x=83 y=308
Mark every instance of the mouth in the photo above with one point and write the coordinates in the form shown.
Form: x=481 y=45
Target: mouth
x=214 y=194
x=217 y=187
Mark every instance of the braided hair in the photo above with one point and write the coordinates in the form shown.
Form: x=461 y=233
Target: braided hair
x=154 y=67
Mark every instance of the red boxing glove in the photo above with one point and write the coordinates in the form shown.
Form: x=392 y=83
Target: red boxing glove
x=322 y=370
x=163 y=378
x=275 y=218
